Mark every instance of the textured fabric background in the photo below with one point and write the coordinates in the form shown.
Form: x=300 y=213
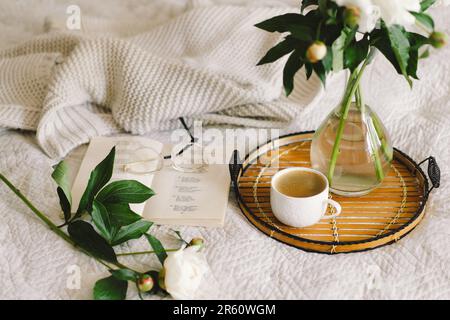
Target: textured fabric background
x=200 y=65
x=34 y=263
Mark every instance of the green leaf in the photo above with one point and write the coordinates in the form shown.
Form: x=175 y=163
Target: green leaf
x=98 y=179
x=278 y=51
x=131 y=231
x=100 y=217
x=320 y=71
x=356 y=53
x=125 y=191
x=328 y=61
x=120 y=214
x=351 y=33
x=293 y=64
x=323 y=6
x=416 y=41
x=424 y=19
x=394 y=45
x=413 y=63
x=85 y=236
x=125 y=274
x=338 y=52
x=425 y=4
x=301 y=32
x=380 y=40
x=157 y=247
x=61 y=176
x=308 y=70
x=345 y=38
x=110 y=289
x=64 y=203
x=280 y=23
x=400 y=47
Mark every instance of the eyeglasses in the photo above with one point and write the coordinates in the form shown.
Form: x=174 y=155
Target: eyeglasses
x=146 y=160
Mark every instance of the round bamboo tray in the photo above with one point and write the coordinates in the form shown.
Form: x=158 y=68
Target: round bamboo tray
x=379 y=218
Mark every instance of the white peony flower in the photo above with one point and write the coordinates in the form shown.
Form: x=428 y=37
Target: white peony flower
x=183 y=272
x=369 y=14
x=444 y=3
x=397 y=11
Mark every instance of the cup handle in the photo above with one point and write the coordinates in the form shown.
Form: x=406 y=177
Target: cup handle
x=336 y=206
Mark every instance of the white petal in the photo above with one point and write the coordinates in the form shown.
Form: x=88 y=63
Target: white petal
x=397 y=11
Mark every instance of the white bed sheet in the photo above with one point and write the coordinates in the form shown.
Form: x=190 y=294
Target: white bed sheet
x=245 y=264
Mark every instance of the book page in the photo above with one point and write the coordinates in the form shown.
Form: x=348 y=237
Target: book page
x=198 y=198
x=182 y=198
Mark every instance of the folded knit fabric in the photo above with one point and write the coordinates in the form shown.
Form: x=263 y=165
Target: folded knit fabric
x=70 y=87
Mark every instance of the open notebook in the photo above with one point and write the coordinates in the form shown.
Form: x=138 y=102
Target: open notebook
x=195 y=199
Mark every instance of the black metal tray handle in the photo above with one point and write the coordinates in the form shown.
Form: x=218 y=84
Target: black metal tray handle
x=434 y=173
x=235 y=167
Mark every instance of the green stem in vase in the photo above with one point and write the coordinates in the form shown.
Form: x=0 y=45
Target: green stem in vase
x=376 y=156
x=353 y=84
x=360 y=101
x=362 y=107
x=384 y=143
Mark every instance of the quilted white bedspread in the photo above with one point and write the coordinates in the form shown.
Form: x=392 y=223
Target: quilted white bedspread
x=245 y=264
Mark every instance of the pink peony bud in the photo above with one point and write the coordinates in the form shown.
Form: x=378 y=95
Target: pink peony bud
x=145 y=283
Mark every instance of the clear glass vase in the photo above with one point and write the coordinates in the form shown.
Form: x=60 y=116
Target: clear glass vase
x=351 y=146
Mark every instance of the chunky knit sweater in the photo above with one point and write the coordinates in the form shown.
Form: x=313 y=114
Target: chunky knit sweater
x=70 y=87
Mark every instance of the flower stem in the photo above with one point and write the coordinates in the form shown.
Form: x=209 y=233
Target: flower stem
x=53 y=226
x=381 y=136
x=353 y=84
x=143 y=252
x=378 y=165
x=41 y=216
x=362 y=107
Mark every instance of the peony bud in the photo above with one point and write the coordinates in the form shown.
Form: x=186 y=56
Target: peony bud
x=438 y=39
x=316 y=52
x=199 y=242
x=161 y=279
x=352 y=16
x=145 y=283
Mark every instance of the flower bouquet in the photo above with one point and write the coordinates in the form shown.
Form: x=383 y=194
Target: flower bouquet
x=352 y=147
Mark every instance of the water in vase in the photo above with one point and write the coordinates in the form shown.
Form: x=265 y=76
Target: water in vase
x=365 y=151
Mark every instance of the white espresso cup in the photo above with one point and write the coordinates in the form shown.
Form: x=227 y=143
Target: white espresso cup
x=305 y=210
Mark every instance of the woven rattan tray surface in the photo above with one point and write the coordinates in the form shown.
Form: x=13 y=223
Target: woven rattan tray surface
x=379 y=218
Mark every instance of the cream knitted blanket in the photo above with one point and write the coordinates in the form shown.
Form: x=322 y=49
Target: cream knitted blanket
x=69 y=87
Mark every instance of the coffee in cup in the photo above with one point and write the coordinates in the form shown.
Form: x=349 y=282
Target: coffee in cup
x=299 y=197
